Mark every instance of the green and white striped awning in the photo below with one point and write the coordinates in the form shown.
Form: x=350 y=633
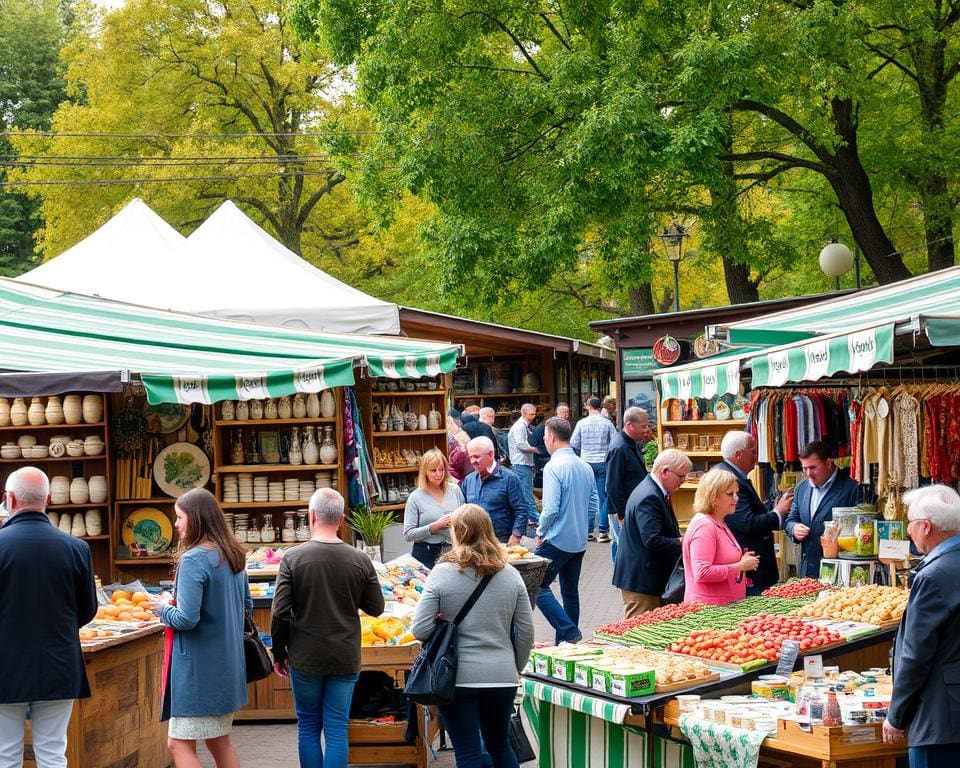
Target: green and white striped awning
x=186 y=358
x=716 y=375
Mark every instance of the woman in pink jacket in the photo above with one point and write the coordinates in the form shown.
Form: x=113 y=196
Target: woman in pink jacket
x=713 y=561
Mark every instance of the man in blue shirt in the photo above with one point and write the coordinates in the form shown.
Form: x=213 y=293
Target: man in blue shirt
x=498 y=490
x=570 y=500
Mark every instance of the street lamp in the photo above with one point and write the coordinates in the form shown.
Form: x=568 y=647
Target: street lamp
x=672 y=239
x=836 y=260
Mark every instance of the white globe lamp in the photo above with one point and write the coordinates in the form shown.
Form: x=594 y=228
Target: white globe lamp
x=836 y=259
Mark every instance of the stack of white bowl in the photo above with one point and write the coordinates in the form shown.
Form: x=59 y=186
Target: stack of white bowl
x=307 y=487
x=324 y=479
x=260 y=488
x=230 y=493
x=275 y=488
x=245 y=487
x=291 y=489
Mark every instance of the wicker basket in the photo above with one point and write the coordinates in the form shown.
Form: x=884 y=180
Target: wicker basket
x=532 y=574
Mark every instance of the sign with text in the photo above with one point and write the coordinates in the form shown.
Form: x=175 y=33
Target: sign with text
x=894 y=550
x=637 y=363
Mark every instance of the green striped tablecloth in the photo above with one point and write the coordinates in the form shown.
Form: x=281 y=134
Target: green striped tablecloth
x=572 y=730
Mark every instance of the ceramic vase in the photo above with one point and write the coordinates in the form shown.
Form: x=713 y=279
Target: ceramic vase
x=296 y=454
x=410 y=421
x=328 y=404
x=299 y=406
x=4 y=412
x=236 y=448
x=53 y=413
x=303 y=530
x=79 y=492
x=256 y=409
x=268 y=533
x=422 y=421
x=97 y=488
x=228 y=411
x=93 y=520
x=60 y=490
x=433 y=418
x=243 y=411
x=65 y=522
x=311 y=451
x=92 y=408
x=313 y=406
x=72 y=409
x=285 y=408
x=35 y=414
x=78 y=526
x=54 y=519
x=289 y=532
x=328 y=449
x=270 y=410
x=18 y=412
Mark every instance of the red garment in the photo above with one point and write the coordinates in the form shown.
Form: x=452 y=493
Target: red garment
x=856 y=441
x=790 y=417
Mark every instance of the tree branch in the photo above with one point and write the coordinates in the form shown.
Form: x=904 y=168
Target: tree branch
x=333 y=180
x=516 y=40
x=789 y=124
x=555 y=31
x=889 y=59
x=260 y=206
x=788 y=160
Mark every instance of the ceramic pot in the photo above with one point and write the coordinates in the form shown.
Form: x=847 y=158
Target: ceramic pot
x=303 y=530
x=422 y=421
x=10 y=451
x=328 y=449
x=79 y=491
x=92 y=409
x=228 y=411
x=4 y=412
x=26 y=441
x=270 y=410
x=65 y=522
x=54 y=519
x=328 y=404
x=285 y=410
x=93 y=520
x=72 y=409
x=299 y=406
x=93 y=446
x=289 y=532
x=18 y=412
x=256 y=409
x=35 y=413
x=60 y=490
x=54 y=411
x=410 y=421
x=433 y=418
x=295 y=455
x=313 y=406
x=78 y=526
x=243 y=411
x=97 y=486
x=75 y=448
x=268 y=533
x=58 y=450
x=311 y=451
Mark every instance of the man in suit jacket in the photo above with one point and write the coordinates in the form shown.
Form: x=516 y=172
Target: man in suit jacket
x=625 y=468
x=650 y=537
x=824 y=488
x=752 y=522
x=926 y=661
x=47 y=592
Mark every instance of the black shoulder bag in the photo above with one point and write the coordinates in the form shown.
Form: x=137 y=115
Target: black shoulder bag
x=433 y=676
x=258 y=662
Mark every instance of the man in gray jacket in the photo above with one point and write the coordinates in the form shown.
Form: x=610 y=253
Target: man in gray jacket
x=925 y=705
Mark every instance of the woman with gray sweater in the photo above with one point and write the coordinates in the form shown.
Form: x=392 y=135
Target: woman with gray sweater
x=493 y=640
x=426 y=518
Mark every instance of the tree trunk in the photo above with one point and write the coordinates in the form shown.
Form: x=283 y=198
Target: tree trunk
x=740 y=288
x=641 y=300
x=852 y=186
x=937 y=222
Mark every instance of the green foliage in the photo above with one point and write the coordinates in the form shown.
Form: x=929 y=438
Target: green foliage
x=369 y=524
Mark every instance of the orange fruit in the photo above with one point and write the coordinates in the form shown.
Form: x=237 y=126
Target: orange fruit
x=110 y=610
x=140 y=597
x=120 y=594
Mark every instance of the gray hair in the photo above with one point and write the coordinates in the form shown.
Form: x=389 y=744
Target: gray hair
x=487 y=411
x=482 y=442
x=633 y=415
x=674 y=459
x=527 y=407
x=735 y=440
x=31 y=488
x=939 y=504
x=326 y=506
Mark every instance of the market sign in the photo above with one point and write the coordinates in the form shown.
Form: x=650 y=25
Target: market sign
x=704 y=381
x=817 y=359
x=637 y=363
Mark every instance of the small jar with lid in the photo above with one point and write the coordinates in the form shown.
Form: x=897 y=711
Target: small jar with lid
x=268 y=533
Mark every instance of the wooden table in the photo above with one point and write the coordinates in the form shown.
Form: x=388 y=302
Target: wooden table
x=119 y=725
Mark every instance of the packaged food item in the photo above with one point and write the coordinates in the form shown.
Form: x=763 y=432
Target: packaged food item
x=630 y=682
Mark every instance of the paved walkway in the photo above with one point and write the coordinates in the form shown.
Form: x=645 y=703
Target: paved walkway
x=275 y=745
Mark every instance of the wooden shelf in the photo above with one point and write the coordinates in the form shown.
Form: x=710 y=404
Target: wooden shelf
x=143 y=561
x=258 y=468
x=61 y=427
x=410 y=433
x=388 y=507
x=703 y=454
x=101 y=537
x=155 y=500
x=48 y=459
x=271 y=544
x=416 y=393
x=88 y=505
x=707 y=423
x=272 y=422
x=263 y=504
x=509 y=394
x=395 y=470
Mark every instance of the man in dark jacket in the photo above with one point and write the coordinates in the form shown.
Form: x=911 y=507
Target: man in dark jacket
x=752 y=522
x=926 y=659
x=474 y=427
x=650 y=537
x=625 y=467
x=47 y=592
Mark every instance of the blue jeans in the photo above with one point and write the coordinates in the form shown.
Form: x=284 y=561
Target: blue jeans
x=600 y=480
x=322 y=703
x=615 y=532
x=525 y=474
x=937 y=756
x=564 y=566
x=477 y=712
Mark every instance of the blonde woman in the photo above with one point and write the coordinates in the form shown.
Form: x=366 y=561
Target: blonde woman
x=493 y=640
x=426 y=519
x=714 y=563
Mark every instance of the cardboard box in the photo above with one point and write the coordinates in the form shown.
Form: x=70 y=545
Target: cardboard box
x=631 y=681
x=564 y=667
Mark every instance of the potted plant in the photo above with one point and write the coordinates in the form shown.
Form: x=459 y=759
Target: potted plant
x=370 y=525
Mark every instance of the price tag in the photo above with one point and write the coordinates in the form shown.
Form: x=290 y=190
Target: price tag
x=813 y=666
x=788 y=657
x=894 y=550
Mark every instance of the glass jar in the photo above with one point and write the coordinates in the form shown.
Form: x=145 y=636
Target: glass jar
x=846 y=519
x=289 y=532
x=303 y=530
x=866 y=532
x=268 y=533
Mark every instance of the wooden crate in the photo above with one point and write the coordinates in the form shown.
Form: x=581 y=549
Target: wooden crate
x=836 y=743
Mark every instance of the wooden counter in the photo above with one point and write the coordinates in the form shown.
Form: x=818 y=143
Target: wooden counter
x=119 y=725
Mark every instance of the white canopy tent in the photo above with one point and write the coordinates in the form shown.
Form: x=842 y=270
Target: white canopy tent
x=229 y=267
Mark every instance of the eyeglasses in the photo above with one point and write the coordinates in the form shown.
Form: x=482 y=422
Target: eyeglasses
x=677 y=474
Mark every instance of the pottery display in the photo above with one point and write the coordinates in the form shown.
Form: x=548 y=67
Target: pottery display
x=289 y=532
x=38 y=452
x=303 y=530
x=92 y=409
x=93 y=519
x=97 y=486
x=58 y=450
x=295 y=455
x=10 y=451
x=328 y=404
x=79 y=491
x=256 y=409
x=310 y=449
x=4 y=412
x=270 y=409
x=422 y=421
x=243 y=411
x=25 y=441
x=285 y=408
x=54 y=519
x=313 y=406
x=60 y=490
x=18 y=412
x=35 y=413
x=268 y=533
x=227 y=411
x=328 y=449
x=434 y=418
x=75 y=448
x=72 y=409
x=65 y=522
x=53 y=413
x=93 y=445
x=236 y=448
x=299 y=406
x=410 y=421
x=78 y=526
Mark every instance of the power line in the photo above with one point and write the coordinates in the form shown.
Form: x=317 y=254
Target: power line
x=228 y=136
x=172 y=179
x=13 y=158
x=171 y=163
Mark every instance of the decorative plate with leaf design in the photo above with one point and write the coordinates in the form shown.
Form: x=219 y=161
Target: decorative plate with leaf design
x=181 y=467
